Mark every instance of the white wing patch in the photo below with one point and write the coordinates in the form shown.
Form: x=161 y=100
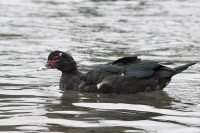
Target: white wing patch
x=99 y=85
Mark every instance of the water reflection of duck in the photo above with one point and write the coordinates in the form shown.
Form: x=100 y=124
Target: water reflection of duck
x=99 y=106
x=125 y=75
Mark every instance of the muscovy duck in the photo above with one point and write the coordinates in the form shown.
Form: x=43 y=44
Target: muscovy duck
x=125 y=75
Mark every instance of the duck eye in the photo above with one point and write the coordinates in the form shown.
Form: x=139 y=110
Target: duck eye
x=60 y=54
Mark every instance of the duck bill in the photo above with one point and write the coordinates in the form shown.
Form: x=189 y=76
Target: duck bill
x=47 y=66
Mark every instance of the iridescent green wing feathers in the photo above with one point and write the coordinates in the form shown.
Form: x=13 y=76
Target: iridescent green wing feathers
x=97 y=74
x=127 y=66
x=132 y=66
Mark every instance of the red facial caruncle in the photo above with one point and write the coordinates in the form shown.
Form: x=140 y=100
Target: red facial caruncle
x=53 y=61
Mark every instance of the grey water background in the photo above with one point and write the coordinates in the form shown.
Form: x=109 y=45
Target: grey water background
x=95 y=32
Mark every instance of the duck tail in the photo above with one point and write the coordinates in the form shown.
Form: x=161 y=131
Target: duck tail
x=182 y=68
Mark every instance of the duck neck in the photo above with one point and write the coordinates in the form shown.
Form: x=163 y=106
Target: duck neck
x=74 y=71
x=70 y=80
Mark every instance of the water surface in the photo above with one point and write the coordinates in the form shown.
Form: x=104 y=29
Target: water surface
x=95 y=32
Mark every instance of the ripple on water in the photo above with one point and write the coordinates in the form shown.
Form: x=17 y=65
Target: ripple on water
x=96 y=32
x=119 y=106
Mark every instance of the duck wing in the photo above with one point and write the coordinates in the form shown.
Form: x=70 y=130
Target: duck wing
x=125 y=60
x=97 y=74
x=127 y=66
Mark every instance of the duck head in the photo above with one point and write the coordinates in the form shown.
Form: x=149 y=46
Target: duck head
x=61 y=61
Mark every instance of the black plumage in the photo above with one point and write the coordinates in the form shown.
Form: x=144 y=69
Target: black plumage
x=125 y=75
